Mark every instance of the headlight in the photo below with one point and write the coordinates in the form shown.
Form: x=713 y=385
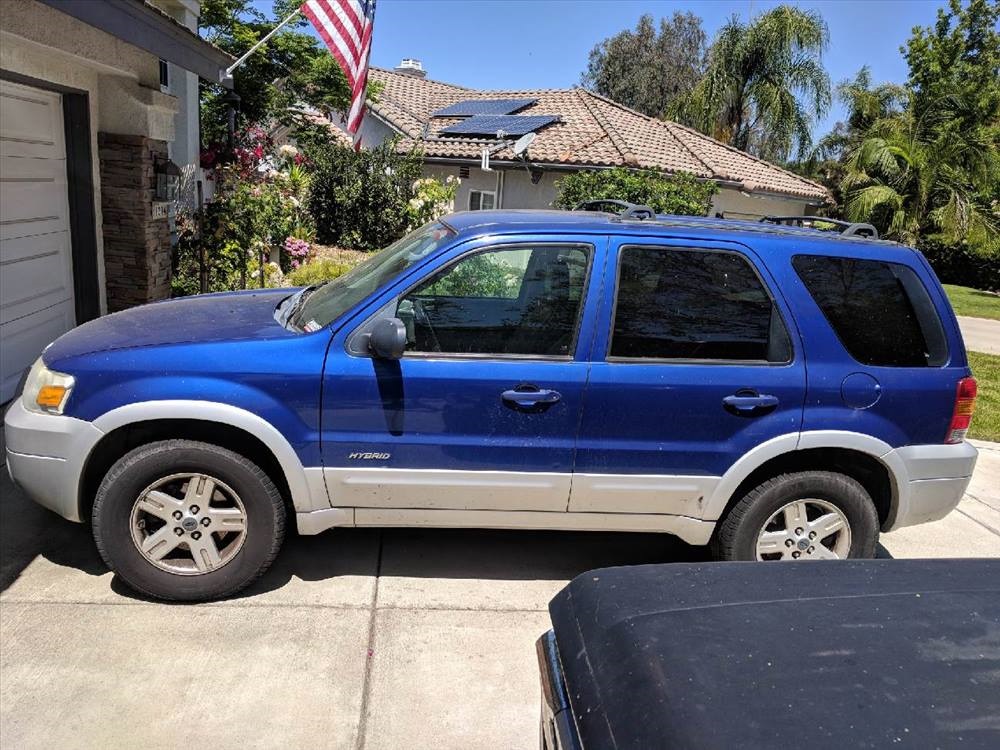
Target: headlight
x=46 y=391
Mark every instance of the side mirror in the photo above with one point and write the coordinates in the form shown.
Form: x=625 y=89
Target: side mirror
x=387 y=339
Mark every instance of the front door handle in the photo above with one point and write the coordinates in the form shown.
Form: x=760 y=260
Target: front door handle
x=749 y=403
x=529 y=397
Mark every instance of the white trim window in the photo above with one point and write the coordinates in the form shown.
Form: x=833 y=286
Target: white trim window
x=482 y=200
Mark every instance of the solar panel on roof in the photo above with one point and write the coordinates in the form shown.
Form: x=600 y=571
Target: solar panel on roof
x=471 y=107
x=511 y=125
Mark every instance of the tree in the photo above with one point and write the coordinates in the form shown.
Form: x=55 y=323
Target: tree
x=932 y=170
x=865 y=105
x=293 y=68
x=764 y=83
x=646 y=70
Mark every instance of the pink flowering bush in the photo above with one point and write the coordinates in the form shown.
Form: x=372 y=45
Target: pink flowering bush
x=259 y=211
x=296 y=251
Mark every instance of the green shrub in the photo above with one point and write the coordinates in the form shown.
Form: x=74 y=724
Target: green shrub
x=478 y=276
x=368 y=199
x=962 y=265
x=318 y=271
x=679 y=193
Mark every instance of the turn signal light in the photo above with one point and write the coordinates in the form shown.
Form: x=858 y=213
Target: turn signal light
x=961 y=416
x=50 y=396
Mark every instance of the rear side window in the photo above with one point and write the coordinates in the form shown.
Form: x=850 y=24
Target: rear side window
x=685 y=304
x=880 y=311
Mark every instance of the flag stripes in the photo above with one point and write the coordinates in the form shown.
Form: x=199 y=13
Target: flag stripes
x=345 y=26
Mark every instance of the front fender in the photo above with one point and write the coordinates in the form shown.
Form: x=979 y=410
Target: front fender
x=306 y=485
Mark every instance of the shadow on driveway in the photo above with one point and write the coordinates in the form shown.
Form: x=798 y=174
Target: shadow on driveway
x=28 y=531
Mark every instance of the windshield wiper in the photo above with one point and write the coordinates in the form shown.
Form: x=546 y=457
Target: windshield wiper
x=299 y=302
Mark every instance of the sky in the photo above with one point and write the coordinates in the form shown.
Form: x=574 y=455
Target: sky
x=521 y=44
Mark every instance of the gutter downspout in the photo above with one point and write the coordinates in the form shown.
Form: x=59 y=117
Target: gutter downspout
x=500 y=182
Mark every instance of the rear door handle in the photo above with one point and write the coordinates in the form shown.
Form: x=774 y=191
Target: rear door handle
x=749 y=403
x=530 y=397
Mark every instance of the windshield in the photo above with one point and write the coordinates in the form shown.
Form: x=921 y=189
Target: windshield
x=326 y=303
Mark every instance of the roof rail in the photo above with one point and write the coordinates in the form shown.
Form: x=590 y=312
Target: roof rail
x=845 y=228
x=628 y=210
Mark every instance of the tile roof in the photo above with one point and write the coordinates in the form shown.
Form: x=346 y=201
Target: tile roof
x=592 y=132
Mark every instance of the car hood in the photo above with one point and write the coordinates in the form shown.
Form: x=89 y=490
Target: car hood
x=209 y=317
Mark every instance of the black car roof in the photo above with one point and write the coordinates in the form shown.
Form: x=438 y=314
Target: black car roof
x=852 y=654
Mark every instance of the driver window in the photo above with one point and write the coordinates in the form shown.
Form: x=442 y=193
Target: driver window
x=514 y=300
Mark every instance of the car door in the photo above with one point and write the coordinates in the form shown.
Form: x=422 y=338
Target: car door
x=481 y=411
x=695 y=363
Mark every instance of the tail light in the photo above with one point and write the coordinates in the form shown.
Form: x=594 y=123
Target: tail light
x=965 y=404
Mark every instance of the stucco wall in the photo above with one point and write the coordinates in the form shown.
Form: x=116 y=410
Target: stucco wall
x=515 y=190
x=735 y=204
x=477 y=180
x=372 y=131
x=513 y=186
x=518 y=192
x=185 y=149
x=122 y=81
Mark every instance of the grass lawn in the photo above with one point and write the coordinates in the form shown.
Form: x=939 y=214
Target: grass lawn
x=973 y=302
x=986 y=419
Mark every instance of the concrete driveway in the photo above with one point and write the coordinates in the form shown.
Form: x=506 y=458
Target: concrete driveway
x=355 y=639
x=980 y=334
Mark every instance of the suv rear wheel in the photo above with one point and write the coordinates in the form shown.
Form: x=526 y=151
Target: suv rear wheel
x=185 y=520
x=810 y=515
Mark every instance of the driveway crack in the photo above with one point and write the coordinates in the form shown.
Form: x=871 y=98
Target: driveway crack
x=370 y=652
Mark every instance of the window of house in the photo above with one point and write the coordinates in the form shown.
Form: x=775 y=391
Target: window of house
x=685 y=304
x=523 y=300
x=164 y=75
x=482 y=200
x=880 y=311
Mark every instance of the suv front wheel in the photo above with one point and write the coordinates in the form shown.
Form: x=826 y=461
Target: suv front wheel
x=810 y=515
x=187 y=521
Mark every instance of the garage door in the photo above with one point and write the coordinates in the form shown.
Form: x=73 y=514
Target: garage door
x=36 y=263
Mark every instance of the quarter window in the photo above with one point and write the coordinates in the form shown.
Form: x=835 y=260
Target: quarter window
x=522 y=300
x=685 y=304
x=880 y=311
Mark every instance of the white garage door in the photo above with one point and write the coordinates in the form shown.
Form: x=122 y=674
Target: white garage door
x=36 y=264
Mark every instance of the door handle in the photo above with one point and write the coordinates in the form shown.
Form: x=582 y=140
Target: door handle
x=748 y=403
x=530 y=397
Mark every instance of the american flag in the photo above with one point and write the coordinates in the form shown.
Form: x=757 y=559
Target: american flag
x=346 y=27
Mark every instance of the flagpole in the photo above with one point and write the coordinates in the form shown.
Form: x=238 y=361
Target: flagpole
x=272 y=32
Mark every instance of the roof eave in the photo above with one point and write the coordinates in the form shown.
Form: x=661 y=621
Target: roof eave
x=152 y=30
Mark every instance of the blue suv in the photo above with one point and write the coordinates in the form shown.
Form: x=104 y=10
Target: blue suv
x=776 y=392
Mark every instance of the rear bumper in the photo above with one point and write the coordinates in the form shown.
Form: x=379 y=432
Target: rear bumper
x=558 y=729
x=931 y=480
x=45 y=456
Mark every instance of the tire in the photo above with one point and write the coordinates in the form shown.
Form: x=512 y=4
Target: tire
x=828 y=498
x=210 y=521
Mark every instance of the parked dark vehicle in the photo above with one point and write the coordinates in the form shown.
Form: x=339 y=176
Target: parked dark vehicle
x=863 y=654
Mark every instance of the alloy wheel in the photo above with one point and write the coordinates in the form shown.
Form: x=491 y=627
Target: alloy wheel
x=807 y=529
x=188 y=524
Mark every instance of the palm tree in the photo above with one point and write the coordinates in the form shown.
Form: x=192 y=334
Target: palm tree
x=932 y=168
x=914 y=177
x=764 y=83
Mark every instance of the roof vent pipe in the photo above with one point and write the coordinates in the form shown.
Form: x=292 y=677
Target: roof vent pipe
x=411 y=67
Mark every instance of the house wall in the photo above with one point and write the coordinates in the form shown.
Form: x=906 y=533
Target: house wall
x=513 y=186
x=373 y=132
x=477 y=180
x=185 y=149
x=121 y=81
x=515 y=190
x=518 y=192
x=736 y=204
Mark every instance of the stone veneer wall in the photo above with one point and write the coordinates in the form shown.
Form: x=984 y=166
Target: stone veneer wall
x=136 y=246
